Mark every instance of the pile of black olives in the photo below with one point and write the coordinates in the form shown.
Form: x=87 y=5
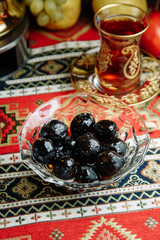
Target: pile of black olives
x=89 y=151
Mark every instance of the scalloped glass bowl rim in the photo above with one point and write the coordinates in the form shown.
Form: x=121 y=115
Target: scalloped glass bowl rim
x=73 y=184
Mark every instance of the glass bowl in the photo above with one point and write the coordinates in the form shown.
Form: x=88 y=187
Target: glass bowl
x=131 y=127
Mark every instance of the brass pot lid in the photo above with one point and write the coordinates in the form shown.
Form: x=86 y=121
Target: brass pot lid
x=11 y=13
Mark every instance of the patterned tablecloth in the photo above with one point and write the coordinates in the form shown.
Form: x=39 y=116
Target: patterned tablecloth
x=31 y=209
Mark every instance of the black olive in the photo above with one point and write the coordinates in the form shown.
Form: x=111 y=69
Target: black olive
x=87 y=149
x=119 y=146
x=86 y=174
x=43 y=150
x=82 y=123
x=55 y=130
x=69 y=145
x=116 y=144
x=108 y=163
x=92 y=152
x=105 y=130
x=59 y=150
x=64 y=168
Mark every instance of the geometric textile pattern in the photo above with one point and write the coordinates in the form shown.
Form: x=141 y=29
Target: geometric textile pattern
x=11 y=119
x=104 y=229
x=31 y=208
x=151 y=223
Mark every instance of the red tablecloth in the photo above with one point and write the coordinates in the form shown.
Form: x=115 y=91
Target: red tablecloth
x=83 y=30
x=31 y=209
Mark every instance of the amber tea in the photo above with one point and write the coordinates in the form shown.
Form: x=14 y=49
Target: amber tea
x=118 y=66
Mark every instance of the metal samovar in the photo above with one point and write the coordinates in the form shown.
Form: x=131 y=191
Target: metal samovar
x=14 y=49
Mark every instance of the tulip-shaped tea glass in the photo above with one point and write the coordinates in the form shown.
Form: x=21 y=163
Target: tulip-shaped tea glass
x=118 y=65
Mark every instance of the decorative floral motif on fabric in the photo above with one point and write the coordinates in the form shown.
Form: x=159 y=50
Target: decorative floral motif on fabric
x=56 y=235
x=24 y=188
x=151 y=223
x=152 y=171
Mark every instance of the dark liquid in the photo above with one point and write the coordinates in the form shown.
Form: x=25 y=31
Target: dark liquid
x=112 y=59
x=122 y=26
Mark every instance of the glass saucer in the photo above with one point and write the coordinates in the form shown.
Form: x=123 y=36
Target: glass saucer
x=84 y=80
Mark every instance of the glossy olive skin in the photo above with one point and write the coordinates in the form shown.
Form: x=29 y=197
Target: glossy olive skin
x=117 y=145
x=69 y=145
x=87 y=149
x=59 y=149
x=86 y=174
x=108 y=164
x=89 y=152
x=43 y=150
x=64 y=168
x=105 y=130
x=55 y=130
x=82 y=123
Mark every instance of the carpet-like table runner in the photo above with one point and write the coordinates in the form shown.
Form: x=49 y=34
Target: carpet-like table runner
x=32 y=209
